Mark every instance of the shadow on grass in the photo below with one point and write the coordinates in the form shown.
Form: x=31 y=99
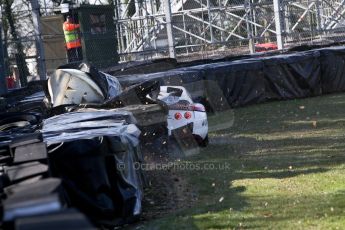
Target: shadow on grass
x=277 y=159
x=269 y=143
x=282 y=116
x=313 y=209
x=278 y=174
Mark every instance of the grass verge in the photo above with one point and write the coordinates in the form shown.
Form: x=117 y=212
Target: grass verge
x=278 y=165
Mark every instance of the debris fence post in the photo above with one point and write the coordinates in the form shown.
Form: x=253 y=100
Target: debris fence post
x=3 y=87
x=209 y=18
x=248 y=18
x=39 y=43
x=278 y=23
x=167 y=8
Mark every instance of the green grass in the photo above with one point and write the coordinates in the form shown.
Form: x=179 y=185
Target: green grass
x=287 y=169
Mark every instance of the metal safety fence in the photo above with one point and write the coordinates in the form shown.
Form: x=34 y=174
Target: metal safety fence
x=127 y=30
x=204 y=28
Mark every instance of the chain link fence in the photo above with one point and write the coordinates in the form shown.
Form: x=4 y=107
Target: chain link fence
x=206 y=28
x=314 y=22
x=19 y=42
x=131 y=30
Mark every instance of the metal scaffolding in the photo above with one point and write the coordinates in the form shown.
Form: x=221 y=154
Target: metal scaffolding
x=192 y=29
x=216 y=25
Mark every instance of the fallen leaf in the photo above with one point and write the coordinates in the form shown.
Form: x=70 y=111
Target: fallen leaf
x=266 y=215
x=314 y=124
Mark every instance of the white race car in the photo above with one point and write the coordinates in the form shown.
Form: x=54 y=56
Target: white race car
x=71 y=86
x=184 y=112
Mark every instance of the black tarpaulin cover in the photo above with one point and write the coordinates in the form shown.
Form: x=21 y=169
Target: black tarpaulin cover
x=95 y=153
x=292 y=76
x=180 y=76
x=259 y=79
x=238 y=83
x=332 y=61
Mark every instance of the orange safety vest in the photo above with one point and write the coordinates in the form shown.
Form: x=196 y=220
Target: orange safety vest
x=72 y=38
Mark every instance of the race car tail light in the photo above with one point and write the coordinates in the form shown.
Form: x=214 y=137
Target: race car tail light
x=178 y=116
x=199 y=108
x=188 y=115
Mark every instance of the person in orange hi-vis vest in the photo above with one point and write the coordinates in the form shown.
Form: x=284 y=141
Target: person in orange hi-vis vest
x=72 y=38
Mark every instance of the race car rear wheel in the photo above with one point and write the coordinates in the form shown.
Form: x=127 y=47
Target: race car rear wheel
x=201 y=142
